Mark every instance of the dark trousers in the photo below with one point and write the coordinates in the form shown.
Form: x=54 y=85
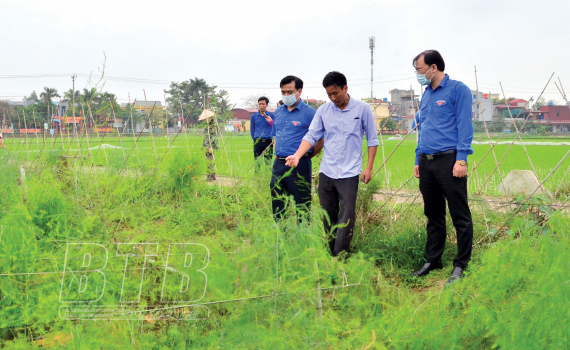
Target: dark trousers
x=296 y=182
x=260 y=145
x=338 y=199
x=437 y=184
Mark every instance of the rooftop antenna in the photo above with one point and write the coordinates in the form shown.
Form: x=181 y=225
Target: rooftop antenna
x=372 y=41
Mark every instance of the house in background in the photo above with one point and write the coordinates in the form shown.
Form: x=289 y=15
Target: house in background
x=145 y=108
x=244 y=115
x=405 y=102
x=380 y=109
x=518 y=103
x=558 y=117
x=517 y=107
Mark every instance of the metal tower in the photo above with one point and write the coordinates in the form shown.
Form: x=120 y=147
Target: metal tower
x=372 y=40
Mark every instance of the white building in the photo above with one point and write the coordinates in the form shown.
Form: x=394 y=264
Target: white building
x=482 y=106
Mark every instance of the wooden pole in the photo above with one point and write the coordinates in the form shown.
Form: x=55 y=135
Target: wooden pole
x=150 y=125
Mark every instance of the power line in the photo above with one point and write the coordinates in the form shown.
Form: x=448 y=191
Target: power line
x=228 y=85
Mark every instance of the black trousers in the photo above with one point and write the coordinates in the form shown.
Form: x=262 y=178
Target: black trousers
x=437 y=184
x=296 y=182
x=338 y=199
x=259 y=145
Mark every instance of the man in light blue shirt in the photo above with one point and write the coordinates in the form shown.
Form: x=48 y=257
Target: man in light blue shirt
x=342 y=122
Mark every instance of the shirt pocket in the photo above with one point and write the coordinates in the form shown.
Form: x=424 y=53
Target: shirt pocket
x=442 y=108
x=354 y=126
x=279 y=125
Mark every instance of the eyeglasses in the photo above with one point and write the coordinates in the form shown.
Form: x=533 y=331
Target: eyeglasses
x=419 y=70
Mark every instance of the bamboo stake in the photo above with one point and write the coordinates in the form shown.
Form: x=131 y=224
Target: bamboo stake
x=182 y=126
x=61 y=124
x=150 y=124
x=389 y=199
x=35 y=132
x=167 y=133
x=417 y=121
x=518 y=133
x=140 y=133
x=117 y=128
x=179 y=131
x=99 y=137
x=561 y=181
x=394 y=150
x=494 y=143
x=133 y=129
x=26 y=132
x=563 y=93
x=485 y=124
x=19 y=127
x=224 y=148
x=39 y=150
x=526 y=119
x=536 y=189
x=86 y=133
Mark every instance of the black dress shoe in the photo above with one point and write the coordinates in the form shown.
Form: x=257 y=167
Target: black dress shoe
x=455 y=275
x=426 y=269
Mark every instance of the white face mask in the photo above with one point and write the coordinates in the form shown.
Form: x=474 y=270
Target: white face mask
x=289 y=100
x=423 y=80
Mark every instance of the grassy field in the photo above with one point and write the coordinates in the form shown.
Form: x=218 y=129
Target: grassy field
x=236 y=156
x=152 y=219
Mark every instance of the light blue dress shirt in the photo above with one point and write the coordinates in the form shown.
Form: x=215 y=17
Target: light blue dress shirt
x=343 y=131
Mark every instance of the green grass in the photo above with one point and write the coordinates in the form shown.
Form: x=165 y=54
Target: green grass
x=236 y=157
x=514 y=296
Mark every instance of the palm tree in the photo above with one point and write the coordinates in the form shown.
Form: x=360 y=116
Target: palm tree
x=68 y=95
x=91 y=96
x=47 y=96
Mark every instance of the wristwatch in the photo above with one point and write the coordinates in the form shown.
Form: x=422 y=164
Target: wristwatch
x=461 y=162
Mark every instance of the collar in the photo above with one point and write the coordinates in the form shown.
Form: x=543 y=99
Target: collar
x=298 y=106
x=441 y=84
x=351 y=103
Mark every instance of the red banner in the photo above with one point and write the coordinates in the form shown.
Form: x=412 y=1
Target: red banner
x=68 y=119
x=103 y=129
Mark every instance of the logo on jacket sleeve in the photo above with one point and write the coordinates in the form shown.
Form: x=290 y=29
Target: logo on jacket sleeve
x=296 y=123
x=441 y=103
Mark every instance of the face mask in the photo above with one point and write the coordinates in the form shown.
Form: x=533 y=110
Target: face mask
x=422 y=78
x=289 y=100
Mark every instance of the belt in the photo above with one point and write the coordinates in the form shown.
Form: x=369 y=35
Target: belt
x=263 y=140
x=438 y=154
x=284 y=159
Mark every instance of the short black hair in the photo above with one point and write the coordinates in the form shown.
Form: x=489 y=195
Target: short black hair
x=290 y=78
x=334 y=79
x=431 y=57
x=263 y=98
x=280 y=103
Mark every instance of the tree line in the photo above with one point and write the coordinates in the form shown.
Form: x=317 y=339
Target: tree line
x=186 y=101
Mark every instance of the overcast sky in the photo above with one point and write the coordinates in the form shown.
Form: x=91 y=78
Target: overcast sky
x=246 y=47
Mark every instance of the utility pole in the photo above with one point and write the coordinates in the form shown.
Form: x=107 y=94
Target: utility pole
x=73 y=104
x=371 y=45
x=477 y=103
